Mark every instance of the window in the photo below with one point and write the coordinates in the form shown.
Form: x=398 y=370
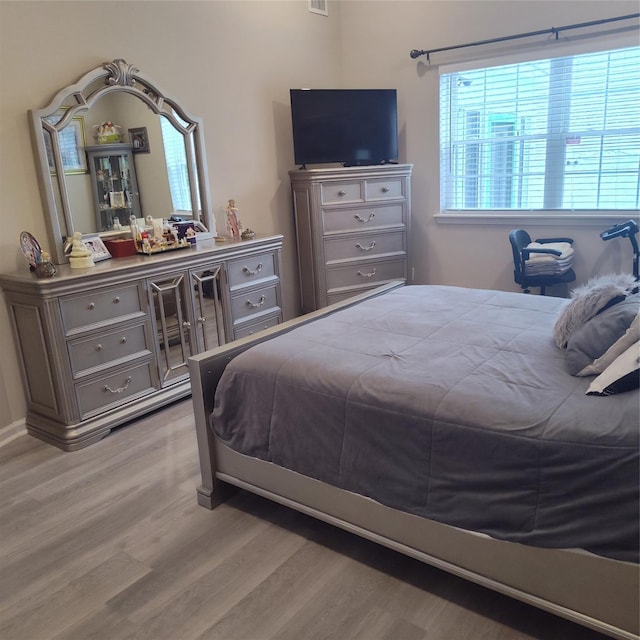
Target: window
x=176 y=158
x=559 y=134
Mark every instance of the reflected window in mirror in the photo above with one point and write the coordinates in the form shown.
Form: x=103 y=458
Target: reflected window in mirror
x=176 y=159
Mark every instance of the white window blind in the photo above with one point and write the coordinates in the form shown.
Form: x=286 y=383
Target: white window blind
x=561 y=133
x=176 y=158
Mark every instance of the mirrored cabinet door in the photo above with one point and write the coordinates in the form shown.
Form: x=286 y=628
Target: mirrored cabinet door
x=207 y=298
x=170 y=299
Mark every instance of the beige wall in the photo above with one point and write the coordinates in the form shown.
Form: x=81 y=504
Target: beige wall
x=376 y=45
x=232 y=63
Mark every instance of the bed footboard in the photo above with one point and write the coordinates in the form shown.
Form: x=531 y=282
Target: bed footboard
x=205 y=370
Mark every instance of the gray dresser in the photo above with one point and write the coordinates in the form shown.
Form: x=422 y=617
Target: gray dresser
x=352 y=229
x=101 y=346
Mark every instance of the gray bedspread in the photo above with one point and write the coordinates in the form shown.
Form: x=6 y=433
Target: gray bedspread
x=450 y=403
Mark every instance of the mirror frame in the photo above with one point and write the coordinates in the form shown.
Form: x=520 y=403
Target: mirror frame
x=111 y=77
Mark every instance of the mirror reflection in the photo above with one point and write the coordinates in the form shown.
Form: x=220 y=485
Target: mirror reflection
x=112 y=147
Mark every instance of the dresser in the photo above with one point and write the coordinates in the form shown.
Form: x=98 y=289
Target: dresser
x=101 y=346
x=352 y=229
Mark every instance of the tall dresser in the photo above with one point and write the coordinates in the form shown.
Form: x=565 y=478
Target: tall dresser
x=352 y=228
x=101 y=346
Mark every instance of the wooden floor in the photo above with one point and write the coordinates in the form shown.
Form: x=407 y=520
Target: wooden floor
x=108 y=543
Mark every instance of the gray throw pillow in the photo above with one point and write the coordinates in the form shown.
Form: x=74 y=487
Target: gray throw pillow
x=599 y=333
x=587 y=300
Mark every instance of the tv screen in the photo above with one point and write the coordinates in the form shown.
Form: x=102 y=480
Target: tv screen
x=349 y=126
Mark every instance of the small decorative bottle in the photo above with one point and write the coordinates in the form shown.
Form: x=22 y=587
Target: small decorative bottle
x=44 y=267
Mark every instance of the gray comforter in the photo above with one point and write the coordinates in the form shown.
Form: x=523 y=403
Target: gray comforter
x=450 y=403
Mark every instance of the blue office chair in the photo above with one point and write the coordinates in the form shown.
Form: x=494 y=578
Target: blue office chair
x=520 y=239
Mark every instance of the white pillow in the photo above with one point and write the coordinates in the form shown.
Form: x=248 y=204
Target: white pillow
x=623 y=374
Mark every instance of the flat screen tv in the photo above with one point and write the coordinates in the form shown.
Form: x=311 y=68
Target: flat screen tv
x=349 y=126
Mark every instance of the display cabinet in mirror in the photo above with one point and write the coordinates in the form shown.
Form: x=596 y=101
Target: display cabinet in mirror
x=91 y=177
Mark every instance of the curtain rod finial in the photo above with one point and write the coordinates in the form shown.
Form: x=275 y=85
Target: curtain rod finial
x=415 y=53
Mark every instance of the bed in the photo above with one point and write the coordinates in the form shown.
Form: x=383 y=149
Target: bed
x=440 y=422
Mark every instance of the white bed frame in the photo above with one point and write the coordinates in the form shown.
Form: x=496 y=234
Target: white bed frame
x=590 y=590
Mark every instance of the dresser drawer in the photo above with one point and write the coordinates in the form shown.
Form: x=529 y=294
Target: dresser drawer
x=363 y=218
x=108 y=349
x=383 y=189
x=338 y=192
x=100 y=306
x=366 y=273
x=251 y=269
x=110 y=391
x=360 y=245
x=252 y=303
x=253 y=327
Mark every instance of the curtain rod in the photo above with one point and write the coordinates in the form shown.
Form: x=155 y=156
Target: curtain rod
x=416 y=53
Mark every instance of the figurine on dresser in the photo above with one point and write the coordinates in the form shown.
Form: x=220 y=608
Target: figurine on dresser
x=80 y=256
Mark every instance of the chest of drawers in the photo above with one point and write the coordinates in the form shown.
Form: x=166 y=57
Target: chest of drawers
x=99 y=347
x=352 y=230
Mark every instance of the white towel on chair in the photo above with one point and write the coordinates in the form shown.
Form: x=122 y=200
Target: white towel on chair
x=547 y=264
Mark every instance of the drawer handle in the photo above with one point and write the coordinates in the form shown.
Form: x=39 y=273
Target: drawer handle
x=91 y=306
x=385 y=189
x=372 y=215
x=202 y=320
x=367 y=275
x=359 y=246
x=249 y=272
x=260 y=302
x=127 y=382
x=186 y=324
x=123 y=340
x=116 y=300
x=98 y=347
x=342 y=193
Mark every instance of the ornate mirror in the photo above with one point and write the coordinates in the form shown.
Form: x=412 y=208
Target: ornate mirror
x=111 y=146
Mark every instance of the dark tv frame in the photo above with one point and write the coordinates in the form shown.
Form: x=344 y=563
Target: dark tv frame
x=339 y=126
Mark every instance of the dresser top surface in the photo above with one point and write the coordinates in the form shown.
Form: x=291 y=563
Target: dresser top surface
x=139 y=265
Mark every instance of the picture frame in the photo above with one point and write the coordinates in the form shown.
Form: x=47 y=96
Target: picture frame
x=139 y=139
x=94 y=243
x=72 y=142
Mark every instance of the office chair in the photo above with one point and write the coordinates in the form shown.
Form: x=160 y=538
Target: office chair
x=525 y=273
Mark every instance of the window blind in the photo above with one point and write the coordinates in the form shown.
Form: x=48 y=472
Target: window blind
x=560 y=133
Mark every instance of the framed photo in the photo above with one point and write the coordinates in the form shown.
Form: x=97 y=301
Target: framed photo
x=72 y=142
x=94 y=243
x=139 y=139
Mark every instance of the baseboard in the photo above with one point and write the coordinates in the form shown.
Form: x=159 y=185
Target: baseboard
x=12 y=431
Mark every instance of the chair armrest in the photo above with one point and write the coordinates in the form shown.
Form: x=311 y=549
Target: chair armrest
x=545 y=240
x=526 y=253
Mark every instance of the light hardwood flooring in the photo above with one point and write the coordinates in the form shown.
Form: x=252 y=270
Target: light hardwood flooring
x=108 y=543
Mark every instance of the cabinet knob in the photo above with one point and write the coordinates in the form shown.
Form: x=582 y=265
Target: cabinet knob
x=91 y=306
x=99 y=347
x=385 y=189
x=116 y=300
x=202 y=320
x=342 y=193
x=123 y=340
x=186 y=324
